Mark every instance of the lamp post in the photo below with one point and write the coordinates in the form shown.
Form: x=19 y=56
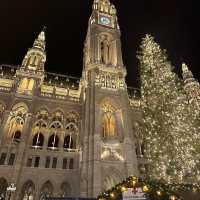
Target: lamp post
x=10 y=189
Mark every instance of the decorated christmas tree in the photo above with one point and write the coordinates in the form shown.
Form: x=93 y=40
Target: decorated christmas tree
x=169 y=119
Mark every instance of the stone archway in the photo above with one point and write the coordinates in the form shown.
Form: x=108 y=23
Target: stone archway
x=46 y=190
x=111 y=178
x=28 y=191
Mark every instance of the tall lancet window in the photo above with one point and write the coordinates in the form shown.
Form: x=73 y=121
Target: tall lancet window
x=16 y=122
x=109 y=122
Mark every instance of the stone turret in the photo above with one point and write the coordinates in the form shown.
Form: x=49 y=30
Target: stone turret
x=31 y=73
x=36 y=56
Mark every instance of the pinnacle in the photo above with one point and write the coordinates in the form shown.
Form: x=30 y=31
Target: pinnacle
x=184 y=67
x=40 y=40
x=41 y=36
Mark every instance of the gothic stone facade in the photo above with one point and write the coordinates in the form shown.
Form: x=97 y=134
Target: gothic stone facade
x=62 y=136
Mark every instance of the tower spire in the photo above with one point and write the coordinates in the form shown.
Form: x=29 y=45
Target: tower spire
x=40 y=40
x=31 y=73
x=36 y=56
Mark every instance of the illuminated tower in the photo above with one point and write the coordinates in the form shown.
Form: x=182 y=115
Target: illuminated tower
x=31 y=73
x=108 y=143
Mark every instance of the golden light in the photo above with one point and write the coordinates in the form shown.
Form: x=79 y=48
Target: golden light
x=123 y=189
x=145 y=189
x=172 y=197
x=112 y=195
x=159 y=193
x=134 y=182
x=194 y=189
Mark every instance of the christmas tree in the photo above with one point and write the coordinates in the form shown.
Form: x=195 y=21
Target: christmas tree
x=170 y=121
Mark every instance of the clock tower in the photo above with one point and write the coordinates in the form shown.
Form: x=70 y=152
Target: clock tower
x=103 y=39
x=108 y=142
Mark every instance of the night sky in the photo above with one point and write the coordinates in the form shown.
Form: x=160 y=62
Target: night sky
x=173 y=23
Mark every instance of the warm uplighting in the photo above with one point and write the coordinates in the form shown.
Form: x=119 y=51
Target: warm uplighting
x=145 y=189
x=134 y=182
x=159 y=193
x=123 y=189
x=173 y=198
x=112 y=195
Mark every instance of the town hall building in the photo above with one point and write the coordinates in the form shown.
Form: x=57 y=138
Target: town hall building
x=62 y=136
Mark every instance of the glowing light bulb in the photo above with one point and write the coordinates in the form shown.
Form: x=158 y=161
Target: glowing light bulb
x=145 y=189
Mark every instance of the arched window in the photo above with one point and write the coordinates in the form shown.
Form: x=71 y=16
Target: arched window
x=108 y=121
x=53 y=141
x=16 y=122
x=38 y=140
x=23 y=84
x=28 y=191
x=46 y=190
x=16 y=125
x=111 y=178
x=31 y=84
x=71 y=137
x=68 y=142
x=17 y=136
x=109 y=125
x=3 y=187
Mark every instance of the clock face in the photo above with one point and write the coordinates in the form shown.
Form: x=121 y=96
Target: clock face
x=104 y=20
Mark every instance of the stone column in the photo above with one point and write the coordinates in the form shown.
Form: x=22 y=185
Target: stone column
x=19 y=163
x=3 y=126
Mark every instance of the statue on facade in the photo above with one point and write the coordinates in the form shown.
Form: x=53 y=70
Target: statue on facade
x=105 y=48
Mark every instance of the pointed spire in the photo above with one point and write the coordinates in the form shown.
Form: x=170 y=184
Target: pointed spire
x=36 y=56
x=40 y=41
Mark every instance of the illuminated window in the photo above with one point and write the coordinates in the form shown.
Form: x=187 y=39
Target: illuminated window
x=38 y=140
x=17 y=136
x=23 y=84
x=53 y=141
x=68 y=142
x=28 y=191
x=31 y=84
x=108 y=122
